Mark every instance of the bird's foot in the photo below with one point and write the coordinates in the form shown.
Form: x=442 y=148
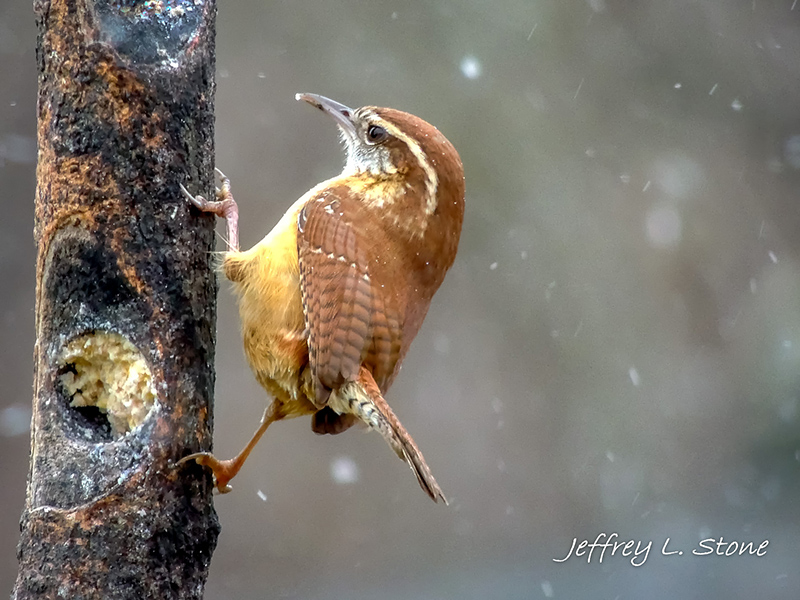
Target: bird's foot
x=224 y=207
x=223 y=470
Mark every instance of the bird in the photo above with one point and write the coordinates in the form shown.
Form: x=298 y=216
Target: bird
x=332 y=297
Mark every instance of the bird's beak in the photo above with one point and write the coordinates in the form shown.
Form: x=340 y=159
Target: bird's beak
x=341 y=113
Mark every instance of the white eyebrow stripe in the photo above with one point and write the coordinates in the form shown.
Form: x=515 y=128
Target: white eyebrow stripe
x=431 y=179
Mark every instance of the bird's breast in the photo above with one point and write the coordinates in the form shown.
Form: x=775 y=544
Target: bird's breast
x=267 y=283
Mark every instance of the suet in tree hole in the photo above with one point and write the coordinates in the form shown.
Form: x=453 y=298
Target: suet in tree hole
x=108 y=385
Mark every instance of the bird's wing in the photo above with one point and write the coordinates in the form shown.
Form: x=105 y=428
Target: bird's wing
x=350 y=318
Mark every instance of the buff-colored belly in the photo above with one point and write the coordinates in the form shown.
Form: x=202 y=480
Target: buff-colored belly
x=267 y=282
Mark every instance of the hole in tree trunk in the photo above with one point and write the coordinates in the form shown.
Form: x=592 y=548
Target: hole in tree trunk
x=107 y=384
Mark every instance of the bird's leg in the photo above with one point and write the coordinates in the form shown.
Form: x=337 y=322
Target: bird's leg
x=224 y=206
x=367 y=403
x=225 y=470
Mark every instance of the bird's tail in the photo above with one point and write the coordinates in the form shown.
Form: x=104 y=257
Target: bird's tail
x=367 y=403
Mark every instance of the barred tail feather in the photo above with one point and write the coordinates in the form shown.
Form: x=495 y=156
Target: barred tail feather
x=367 y=403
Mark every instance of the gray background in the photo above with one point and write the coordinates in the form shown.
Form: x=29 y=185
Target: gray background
x=615 y=350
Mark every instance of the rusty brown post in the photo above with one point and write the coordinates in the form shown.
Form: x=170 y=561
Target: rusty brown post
x=125 y=303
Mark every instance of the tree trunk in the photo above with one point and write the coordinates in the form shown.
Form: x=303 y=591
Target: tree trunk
x=125 y=303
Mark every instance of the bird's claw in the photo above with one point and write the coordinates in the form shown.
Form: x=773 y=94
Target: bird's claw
x=221 y=469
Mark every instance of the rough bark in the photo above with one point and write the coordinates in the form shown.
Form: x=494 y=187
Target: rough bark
x=123 y=364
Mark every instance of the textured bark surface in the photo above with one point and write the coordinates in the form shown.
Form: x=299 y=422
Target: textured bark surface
x=126 y=296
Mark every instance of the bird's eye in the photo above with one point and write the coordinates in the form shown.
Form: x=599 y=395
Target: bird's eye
x=376 y=134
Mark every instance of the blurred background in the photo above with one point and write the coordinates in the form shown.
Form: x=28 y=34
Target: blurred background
x=616 y=350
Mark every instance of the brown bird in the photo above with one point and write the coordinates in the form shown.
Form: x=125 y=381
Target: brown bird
x=332 y=297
